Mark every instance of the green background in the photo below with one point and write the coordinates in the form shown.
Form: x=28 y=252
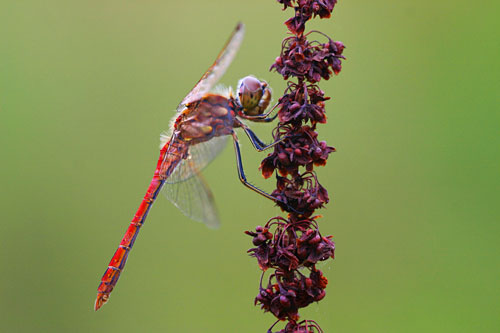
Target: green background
x=86 y=87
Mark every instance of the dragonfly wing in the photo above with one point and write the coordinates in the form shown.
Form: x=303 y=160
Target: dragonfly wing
x=200 y=155
x=218 y=68
x=193 y=197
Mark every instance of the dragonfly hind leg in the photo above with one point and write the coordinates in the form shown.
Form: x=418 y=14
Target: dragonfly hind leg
x=256 y=142
x=241 y=172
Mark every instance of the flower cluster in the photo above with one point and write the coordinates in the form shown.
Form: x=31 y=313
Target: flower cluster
x=293 y=244
x=305 y=10
x=290 y=248
x=300 y=147
x=284 y=295
x=312 y=60
x=304 y=103
x=304 y=193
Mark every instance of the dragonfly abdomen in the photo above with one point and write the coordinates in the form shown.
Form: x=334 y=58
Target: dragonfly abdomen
x=170 y=156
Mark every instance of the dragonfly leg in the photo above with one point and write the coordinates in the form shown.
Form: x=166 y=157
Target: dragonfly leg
x=263 y=120
x=241 y=173
x=260 y=119
x=243 y=178
x=256 y=142
x=261 y=116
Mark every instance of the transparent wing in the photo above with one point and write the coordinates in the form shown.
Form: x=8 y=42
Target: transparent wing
x=193 y=197
x=200 y=155
x=218 y=68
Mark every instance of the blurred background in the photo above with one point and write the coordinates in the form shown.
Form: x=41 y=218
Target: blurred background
x=86 y=87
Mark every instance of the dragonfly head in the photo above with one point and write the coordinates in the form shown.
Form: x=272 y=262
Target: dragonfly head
x=254 y=95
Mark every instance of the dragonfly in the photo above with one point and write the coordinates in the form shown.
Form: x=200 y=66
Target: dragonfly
x=203 y=123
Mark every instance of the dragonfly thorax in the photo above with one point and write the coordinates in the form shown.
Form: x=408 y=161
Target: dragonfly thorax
x=211 y=116
x=253 y=95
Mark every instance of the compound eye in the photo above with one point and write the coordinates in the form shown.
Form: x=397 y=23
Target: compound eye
x=250 y=92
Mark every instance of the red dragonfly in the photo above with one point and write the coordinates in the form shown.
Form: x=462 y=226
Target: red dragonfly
x=198 y=133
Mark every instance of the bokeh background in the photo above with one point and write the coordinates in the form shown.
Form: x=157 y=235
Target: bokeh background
x=86 y=87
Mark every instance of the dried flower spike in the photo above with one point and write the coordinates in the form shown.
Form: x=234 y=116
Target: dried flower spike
x=290 y=248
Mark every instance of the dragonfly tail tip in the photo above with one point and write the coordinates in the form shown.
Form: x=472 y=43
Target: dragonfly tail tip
x=100 y=301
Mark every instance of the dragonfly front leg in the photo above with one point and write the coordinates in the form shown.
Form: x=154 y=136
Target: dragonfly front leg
x=259 y=119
